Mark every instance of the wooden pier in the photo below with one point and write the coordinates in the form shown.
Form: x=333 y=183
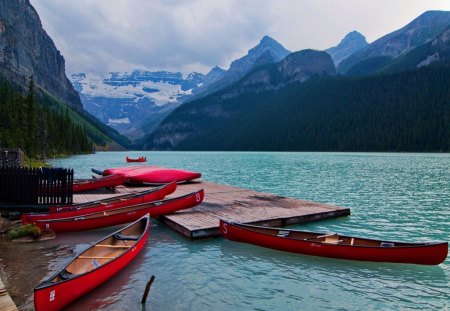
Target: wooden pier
x=6 y=303
x=234 y=204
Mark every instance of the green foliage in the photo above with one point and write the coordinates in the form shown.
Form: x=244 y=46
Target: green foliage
x=38 y=128
x=406 y=111
x=26 y=230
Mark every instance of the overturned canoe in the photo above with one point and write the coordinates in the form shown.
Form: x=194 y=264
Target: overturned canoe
x=152 y=175
x=65 y=212
x=336 y=246
x=95 y=183
x=121 y=215
x=92 y=267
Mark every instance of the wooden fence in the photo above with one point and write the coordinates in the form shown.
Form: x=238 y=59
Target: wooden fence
x=35 y=186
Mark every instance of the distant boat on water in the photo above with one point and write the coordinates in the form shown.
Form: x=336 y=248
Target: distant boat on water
x=140 y=159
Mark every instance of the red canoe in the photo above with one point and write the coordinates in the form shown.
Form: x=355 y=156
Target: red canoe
x=95 y=183
x=336 y=246
x=153 y=195
x=157 y=193
x=153 y=175
x=122 y=215
x=92 y=267
x=140 y=159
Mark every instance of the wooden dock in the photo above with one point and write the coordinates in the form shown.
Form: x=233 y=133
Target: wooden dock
x=234 y=204
x=6 y=303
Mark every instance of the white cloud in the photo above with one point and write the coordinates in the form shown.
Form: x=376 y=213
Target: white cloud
x=185 y=35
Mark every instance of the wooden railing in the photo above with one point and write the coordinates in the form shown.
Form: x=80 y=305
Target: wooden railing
x=35 y=186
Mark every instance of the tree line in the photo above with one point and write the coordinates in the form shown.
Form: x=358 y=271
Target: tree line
x=36 y=128
x=406 y=111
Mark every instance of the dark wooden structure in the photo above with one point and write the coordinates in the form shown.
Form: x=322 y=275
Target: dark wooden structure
x=11 y=157
x=35 y=187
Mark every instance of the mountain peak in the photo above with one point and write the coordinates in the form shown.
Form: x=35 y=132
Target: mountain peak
x=353 y=36
x=351 y=43
x=267 y=43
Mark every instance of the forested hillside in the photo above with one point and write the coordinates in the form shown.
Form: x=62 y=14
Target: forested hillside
x=36 y=127
x=406 y=111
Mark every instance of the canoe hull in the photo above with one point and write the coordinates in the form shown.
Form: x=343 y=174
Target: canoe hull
x=104 y=182
x=81 y=223
x=56 y=297
x=432 y=254
x=69 y=212
x=152 y=174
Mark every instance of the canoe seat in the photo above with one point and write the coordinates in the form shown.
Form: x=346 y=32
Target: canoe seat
x=283 y=234
x=123 y=237
x=332 y=238
x=113 y=246
x=65 y=275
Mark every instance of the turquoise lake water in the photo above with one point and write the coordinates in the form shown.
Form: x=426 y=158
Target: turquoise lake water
x=403 y=197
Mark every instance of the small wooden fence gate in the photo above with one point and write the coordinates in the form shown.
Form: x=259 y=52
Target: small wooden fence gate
x=35 y=186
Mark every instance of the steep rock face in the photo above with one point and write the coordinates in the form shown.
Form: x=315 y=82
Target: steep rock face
x=435 y=51
x=134 y=103
x=351 y=43
x=26 y=50
x=197 y=117
x=270 y=48
x=421 y=30
x=296 y=67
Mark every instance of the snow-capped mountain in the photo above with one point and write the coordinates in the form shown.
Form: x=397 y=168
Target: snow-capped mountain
x=134 y=103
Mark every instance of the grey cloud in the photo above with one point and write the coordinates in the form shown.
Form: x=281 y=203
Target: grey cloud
x=121 y=35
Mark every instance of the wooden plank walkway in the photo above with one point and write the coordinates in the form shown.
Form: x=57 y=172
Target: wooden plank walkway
x=6 y=303
x=234 y=204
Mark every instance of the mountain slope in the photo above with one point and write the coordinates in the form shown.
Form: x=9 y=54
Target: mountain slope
x=421 y=30
x=352 y=42
x=210 y=114
x=134 y=103
x=240 y=67
x=26 y=50
x=405 y=111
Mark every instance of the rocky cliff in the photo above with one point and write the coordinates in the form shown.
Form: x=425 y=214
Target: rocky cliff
x=26 y=50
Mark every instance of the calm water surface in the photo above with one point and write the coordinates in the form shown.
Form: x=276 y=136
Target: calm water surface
x=402 y=197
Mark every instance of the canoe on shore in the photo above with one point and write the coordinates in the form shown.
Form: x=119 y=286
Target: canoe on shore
x=95 y=183
x=140 y=159
x=153 y=194
x=148 y=196
x=122 y=215
x=92 y=267
x=336 y=246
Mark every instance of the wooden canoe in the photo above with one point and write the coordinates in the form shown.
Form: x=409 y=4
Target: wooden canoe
x=92 y=267
x=336 y=246
x=95 y=183
x=148 y=196
x=122 y=215
x=153 y=194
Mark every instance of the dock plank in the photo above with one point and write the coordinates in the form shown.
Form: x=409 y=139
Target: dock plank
x=233 y=204
x=6 y=303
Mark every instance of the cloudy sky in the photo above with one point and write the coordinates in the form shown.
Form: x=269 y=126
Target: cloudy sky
x=98 y=36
